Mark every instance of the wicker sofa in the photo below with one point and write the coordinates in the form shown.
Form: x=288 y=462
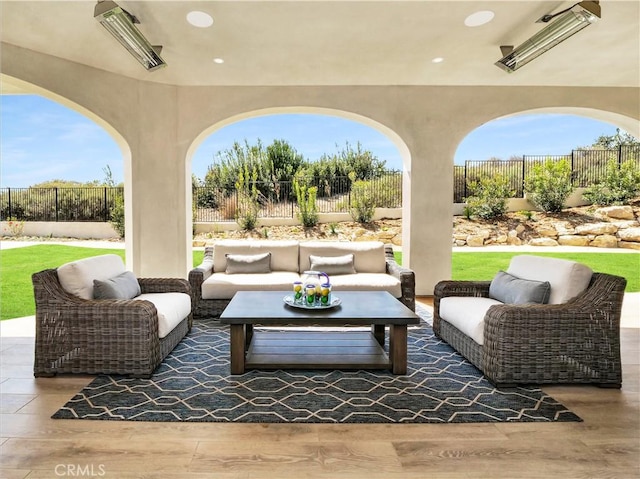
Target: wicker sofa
x=375 y=269
x=574 y=338
x=76 y=333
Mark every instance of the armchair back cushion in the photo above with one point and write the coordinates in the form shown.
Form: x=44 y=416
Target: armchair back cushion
x=567 y=278
x=368 y=256
x=77 y=277
x=284 y=254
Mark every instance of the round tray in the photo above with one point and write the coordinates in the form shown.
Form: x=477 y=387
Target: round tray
x=288 y=300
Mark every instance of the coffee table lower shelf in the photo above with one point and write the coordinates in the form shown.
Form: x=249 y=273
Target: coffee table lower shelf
x=315 y=350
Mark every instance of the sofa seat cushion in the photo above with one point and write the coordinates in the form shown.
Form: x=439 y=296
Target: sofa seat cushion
x=171 y=307
x=284 y=253
x=224 y=286
x=366 y=282
x=368 y=256
x=467 y=314
x=567 y=278
x=77 y=277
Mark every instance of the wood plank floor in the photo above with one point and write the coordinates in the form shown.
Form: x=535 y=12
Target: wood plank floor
x=605 y=445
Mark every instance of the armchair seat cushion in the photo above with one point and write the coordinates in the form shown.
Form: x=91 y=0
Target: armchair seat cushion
x=172 y=308
x=224 y=286
x=467 y=314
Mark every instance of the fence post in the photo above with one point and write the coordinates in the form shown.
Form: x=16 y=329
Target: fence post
x=106 y=206
x=523 y=173
x=573 y=172
x=619 y=156
x=56 y=201
x=464 y=188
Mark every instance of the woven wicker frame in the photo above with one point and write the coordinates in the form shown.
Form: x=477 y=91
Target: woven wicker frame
x=75 y=335
x=212 y=308
x=574 y=342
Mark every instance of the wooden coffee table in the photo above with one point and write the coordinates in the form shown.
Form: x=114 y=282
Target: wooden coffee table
x=303 y=347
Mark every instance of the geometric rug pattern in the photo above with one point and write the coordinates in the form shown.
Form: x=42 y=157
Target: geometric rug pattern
x=193 y=384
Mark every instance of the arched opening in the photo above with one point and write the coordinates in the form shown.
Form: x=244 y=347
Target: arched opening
x=78 y=144
x=510 y=145
x=339 y=129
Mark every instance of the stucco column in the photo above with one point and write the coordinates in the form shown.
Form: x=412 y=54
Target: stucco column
x=427 y=207
x=157 y=232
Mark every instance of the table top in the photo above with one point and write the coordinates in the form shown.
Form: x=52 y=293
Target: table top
x=356 y=308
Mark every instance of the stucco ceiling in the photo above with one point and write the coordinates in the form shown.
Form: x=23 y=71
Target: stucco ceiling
x=336 y=42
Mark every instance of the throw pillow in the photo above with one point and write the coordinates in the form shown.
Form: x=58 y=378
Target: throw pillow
x=333 y=265
x=248 y=263
x=123 y=286
x=510 y=289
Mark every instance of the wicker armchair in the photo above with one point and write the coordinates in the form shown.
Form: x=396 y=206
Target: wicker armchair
x=76 y=335
x=574 y=342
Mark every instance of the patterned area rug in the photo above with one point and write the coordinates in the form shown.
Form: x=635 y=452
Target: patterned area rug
x=194 y=384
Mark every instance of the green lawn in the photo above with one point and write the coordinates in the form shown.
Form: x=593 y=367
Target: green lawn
x=18 y=264
x=483 y=266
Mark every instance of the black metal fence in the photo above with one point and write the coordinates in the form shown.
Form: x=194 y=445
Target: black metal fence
x=277 y=199
x=58 y=204
x=587 y=166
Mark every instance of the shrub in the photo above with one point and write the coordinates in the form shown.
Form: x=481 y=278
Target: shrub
x=549 y=185
x=306 y=198
x=362 y=202
x=117 y=215
x=489 y=195
x=387 y=191
x=248 y=206
x=619 y=186
x=16 y=227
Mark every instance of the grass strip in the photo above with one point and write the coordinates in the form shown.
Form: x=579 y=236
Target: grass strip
x=18 y=264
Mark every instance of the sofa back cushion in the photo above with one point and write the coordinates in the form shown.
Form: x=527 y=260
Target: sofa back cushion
x=567 y=278
x=284 y=254
x=77 y=277
x=368 y=256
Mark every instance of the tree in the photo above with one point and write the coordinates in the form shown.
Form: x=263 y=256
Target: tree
x=611 y=142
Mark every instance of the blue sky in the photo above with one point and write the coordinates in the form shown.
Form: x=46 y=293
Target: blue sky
x=41 y=140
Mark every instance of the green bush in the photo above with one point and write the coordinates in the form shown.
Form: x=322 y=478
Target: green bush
x=117 y=215
x=307 y=207
x=619 y=186
x=363 y=204
x=248 y=206
x=549 y=185
x=489 y=195
x=387 y=191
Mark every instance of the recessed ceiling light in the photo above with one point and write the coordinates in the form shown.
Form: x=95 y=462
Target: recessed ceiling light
x=218 y=61
x=479 y=18
x=199 y=19
x=437 y=60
